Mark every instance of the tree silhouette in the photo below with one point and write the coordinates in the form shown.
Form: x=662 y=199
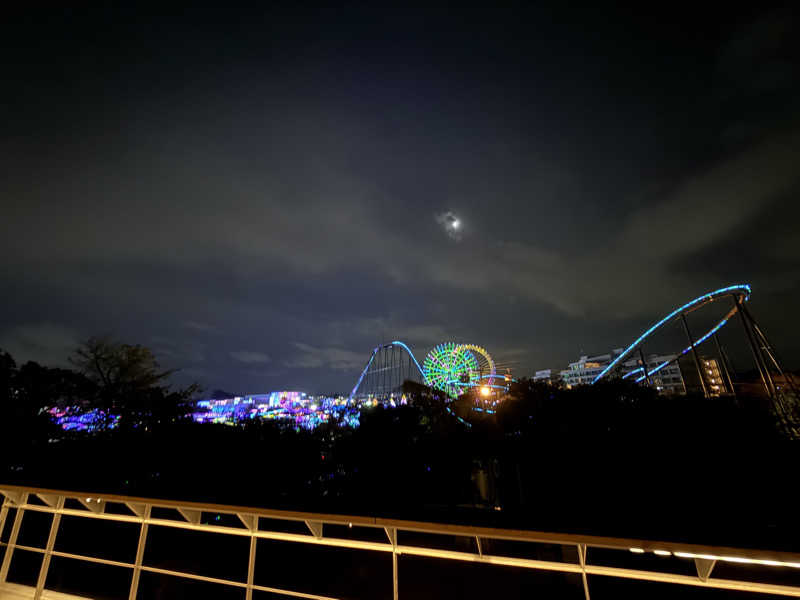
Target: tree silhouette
x=130 y=381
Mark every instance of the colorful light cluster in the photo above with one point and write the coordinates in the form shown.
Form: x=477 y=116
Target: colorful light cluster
x=291 y=408
x=294 y=409
x=75 y=418
x=452 y=368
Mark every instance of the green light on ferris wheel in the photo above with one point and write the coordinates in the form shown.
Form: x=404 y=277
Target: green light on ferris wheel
x=452 y=368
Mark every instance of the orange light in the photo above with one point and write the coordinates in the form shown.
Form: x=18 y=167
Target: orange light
x=485 y=390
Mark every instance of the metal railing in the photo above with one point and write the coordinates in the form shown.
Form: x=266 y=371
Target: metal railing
x=139 y=511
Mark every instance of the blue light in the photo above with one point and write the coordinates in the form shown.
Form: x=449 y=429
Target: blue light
x=414 y=358
x=460 y=420
x=372 y=357
x=685 y=350
x=629 y=373
x=364 y=372
x=742 y=289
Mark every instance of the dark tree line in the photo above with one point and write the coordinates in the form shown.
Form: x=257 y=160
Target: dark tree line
x=621 y=412
x=116 y=378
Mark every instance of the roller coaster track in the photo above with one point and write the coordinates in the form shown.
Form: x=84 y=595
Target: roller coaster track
x=391 y=369
x=785 y=398
x=740 y=293
x=391 y=364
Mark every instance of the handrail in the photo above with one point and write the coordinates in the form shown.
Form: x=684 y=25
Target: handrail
x=93 y=505
x=523 y=535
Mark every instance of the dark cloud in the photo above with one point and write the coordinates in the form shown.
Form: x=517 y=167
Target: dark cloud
x=259 y=199
x=46 y=343
x=340 y=359
x=250 y=357
x=202 y=327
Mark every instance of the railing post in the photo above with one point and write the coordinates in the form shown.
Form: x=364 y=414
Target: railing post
x=395 y=593
x=704 y=567
x=48 y=552
x=391 y=533
x=315 y=527
x=251 y=521
x=582 y=562
x=12 y=540
x=3 y=516
x=137 y=567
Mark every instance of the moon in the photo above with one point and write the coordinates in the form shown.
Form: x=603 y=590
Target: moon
x=451 y=224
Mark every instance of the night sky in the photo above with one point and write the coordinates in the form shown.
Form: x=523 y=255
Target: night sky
x=263 y=197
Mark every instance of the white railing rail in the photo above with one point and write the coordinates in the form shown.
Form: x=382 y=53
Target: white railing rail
x=139 y=511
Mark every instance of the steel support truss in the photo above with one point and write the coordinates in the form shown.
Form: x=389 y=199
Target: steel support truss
x=59 y=503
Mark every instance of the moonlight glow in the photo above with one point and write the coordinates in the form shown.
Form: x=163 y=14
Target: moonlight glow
x=451 y=224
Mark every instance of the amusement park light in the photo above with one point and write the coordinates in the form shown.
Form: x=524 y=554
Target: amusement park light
x=452 y=367
x=743 y=291
x=485 y=390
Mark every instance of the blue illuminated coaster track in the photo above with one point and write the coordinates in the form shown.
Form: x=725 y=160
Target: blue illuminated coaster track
x=378 y=366
x=382 y=348
x=740 y=294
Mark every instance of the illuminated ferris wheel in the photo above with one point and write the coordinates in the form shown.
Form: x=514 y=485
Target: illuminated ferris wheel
x=453 y=368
